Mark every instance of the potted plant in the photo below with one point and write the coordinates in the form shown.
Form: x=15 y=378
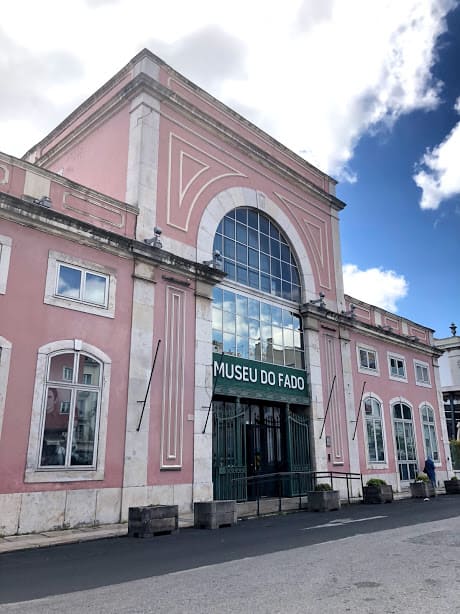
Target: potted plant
x=323 y=498
x=377 y=491
x=422 y=487
x=452 y=486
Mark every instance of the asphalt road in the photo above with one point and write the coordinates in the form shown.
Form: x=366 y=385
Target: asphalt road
x=303 y=562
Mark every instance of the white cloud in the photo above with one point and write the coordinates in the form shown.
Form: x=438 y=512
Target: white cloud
x=375 y=286
x=438 y=177
x=316 y=74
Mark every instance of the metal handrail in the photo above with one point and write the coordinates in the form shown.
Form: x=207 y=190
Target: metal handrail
x=314 y=476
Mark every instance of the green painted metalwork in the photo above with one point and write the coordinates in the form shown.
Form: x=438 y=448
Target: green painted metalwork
x=251 y=441
x=229 y=452
x=239 y=377
x=298 y=440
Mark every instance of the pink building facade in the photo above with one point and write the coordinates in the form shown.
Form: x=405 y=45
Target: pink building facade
x=173 y=320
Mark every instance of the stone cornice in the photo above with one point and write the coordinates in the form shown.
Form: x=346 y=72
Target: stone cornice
x=58 y=224
x=144 y=83
x=328 y=319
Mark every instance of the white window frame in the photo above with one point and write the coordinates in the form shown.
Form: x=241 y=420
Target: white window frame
x=375 y=464
x=5 y=254
x=55 y=259
x=363 y=369
x=433 y=424
x=399 y=378
x=36 y=474
x=67 y=374
x=424 y=365
x=5 y=357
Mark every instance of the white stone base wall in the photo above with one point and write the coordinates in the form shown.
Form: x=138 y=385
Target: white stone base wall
x=36 y=512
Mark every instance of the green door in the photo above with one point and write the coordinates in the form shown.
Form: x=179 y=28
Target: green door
x=298 y=441
x=229 y=453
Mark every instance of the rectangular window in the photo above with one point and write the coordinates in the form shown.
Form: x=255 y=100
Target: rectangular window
x=422 y=374
x=368 y=359
x=5 y=253
x=64 y=407
x=397 y=367
x=81 y=285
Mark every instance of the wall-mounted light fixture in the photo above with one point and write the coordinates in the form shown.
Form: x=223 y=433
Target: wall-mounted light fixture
x=155 y=241
x=319 y=301
x=351 y=312
x=215 y=262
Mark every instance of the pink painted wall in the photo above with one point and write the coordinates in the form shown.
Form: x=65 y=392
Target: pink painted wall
x=28 y=324
x=173 y=380
x=194 y=166
x=100 y=159
x=228 y=118
x=336 y=425
x=387 y=390
x=70 y=198
x=76 y=119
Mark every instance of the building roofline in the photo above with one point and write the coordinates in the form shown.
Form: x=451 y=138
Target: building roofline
x=123 y=72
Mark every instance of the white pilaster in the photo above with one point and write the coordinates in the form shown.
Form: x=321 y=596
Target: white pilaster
x=202 y=442
x=141 y=184
x=136 y=444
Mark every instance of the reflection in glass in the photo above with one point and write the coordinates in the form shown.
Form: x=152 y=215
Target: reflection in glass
x=84 y=428
x=56 y=426
x=70 y=410
x=69 y=282
x=260 y=250
x=95 y=289
x=254 y=322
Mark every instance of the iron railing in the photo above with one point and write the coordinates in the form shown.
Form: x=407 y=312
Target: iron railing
x=292 y=484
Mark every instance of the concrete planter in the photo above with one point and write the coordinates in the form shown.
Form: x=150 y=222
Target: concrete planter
x=214 y=514
x=382 y=493
x=452 y=487
x=421 y=490
x=323 y=500
x=151 y=520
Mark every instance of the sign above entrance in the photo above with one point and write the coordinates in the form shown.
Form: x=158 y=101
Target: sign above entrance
x=255 y=380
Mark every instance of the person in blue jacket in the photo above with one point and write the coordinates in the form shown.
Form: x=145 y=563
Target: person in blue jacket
x=430 y=470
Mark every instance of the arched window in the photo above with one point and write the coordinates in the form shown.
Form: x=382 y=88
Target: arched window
x=374 y=430
x=405 y=441
x=256 y=254
x=70 y=415
x=429 y=432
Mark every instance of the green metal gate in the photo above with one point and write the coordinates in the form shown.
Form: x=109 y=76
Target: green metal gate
x=298 y=442
x=229 y=453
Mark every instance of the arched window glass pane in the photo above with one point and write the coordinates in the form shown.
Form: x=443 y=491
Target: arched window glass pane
x=71 y=410
x=256 y=254
x=429 y=433
x=374 y=431
x=248 y=328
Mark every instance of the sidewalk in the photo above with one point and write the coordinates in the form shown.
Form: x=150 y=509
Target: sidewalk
x=70 y=536
x=67 y=536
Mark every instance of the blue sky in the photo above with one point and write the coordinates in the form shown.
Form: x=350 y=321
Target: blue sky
x=383 y=224
x=367 y=90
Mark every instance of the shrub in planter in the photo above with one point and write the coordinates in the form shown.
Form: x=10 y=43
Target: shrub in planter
x=422 y=487
x=377 y=491
x=323 y=498
x=452 y=486
x=323 y=487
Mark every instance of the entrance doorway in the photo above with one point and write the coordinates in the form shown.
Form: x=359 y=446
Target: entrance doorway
x=253 y=439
